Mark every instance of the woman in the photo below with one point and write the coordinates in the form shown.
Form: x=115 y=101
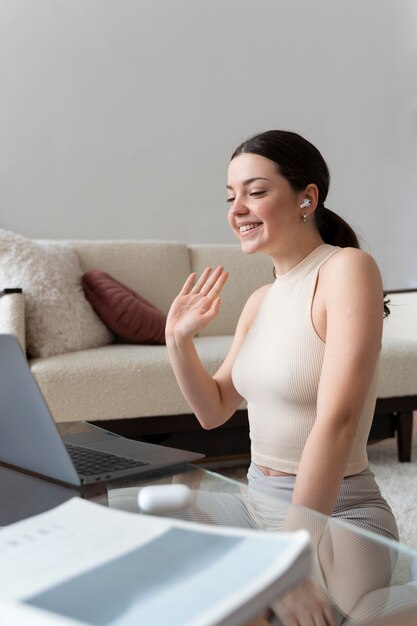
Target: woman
x=306 y=348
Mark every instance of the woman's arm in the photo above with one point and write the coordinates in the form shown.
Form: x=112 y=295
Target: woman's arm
x=213 y=399
x=351 y=287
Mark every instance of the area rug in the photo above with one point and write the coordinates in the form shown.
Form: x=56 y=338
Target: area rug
x=397 y=481
x=398 y=484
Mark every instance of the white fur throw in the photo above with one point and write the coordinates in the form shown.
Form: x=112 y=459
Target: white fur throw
x=58 y=317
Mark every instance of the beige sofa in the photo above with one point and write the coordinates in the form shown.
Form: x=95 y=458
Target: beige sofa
x=397 y=388
x=131 y=388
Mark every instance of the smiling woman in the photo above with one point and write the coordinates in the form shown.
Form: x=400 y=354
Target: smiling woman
x=305 y=352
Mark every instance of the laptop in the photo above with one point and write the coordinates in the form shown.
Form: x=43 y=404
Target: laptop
x=30 y=440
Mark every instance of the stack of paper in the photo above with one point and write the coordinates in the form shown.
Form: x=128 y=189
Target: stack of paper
x=82 y=563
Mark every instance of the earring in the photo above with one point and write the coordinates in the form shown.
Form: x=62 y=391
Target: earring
x=305 y=217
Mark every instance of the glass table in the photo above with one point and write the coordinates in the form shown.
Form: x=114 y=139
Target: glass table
x=369 y=579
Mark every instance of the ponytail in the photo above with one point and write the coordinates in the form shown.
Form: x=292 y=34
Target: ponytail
x=334 y=230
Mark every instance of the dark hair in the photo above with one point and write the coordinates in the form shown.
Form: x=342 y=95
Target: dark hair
x=301 y=164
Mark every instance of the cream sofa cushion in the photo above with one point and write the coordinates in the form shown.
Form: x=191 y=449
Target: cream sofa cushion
x=118 y=381
x=402 y=322
x=398 y=368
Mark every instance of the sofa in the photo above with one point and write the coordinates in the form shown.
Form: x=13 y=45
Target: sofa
x=130 y=387
x=397 y=387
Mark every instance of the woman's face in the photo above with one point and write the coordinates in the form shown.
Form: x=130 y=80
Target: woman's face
x=264 y=209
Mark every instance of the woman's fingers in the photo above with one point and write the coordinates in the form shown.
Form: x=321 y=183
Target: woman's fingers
x=330 y=616
x=186 y=288
x=305 y=604
x=214 y=284
x=208 y=283
x=219 y=284
x=197 y=304
x=200 y=282
x=213 y=309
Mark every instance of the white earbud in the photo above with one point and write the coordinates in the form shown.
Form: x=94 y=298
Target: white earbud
x=306 y=202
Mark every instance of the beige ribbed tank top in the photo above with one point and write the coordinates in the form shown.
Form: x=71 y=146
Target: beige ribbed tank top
x=277 y=370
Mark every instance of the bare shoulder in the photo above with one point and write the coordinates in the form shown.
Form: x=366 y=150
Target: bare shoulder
x=350 y=281
x=354 y=265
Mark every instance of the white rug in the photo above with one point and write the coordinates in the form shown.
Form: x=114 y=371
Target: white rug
x=398 y=484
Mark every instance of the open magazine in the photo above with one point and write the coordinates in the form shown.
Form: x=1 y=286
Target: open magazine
x=84 y=564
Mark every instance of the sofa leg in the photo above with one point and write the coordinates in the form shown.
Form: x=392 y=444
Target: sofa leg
x=404 y=427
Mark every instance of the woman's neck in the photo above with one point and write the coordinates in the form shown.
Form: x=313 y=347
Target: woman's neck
x=285 y=261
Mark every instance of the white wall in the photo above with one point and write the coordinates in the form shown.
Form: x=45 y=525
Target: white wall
x=118 y=117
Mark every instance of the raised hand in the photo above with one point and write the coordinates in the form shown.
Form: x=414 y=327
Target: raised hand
x=197 y=304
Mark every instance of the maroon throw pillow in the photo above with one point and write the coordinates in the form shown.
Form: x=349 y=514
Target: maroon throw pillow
x=128 y=315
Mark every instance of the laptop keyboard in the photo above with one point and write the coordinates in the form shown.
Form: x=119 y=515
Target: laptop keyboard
x=90 y=462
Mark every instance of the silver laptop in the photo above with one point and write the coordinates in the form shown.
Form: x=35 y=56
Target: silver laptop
x=29 y=438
